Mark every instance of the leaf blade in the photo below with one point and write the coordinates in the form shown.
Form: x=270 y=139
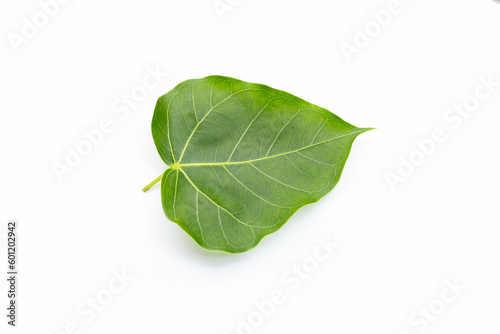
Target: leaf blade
x=246 y=157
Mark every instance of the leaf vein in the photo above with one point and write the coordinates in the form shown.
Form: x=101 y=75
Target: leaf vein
x=211 y=200
x=248 y=127
x=283 y=183
x=204 y=117
x=255 y=194
x=283 y=128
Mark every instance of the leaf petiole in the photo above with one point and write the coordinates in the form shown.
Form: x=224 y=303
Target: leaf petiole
x=155 y=181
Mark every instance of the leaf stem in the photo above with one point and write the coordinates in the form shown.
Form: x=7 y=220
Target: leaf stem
x=155 y=181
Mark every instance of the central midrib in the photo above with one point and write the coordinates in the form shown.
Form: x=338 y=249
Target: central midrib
x=227 y=163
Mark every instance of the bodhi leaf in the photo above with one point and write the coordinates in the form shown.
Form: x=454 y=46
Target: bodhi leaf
x=243 y=158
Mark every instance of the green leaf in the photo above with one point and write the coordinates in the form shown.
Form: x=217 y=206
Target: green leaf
x=243 y=158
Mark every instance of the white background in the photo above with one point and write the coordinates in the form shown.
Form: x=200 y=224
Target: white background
x=397 y=248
